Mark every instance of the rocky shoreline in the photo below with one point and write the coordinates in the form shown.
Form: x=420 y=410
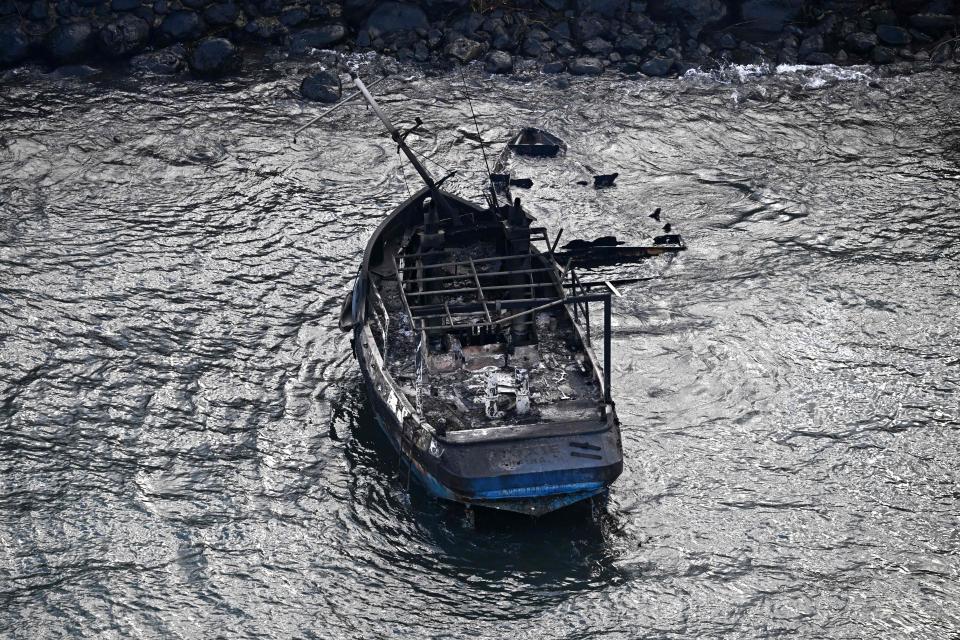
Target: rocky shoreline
x=582 y=37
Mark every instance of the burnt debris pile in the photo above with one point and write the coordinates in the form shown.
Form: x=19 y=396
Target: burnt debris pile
x=585 y=37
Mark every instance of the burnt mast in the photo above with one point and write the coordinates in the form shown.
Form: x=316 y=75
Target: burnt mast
x=432 y=239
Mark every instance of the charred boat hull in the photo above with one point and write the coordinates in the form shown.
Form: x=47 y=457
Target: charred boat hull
x=532 y=468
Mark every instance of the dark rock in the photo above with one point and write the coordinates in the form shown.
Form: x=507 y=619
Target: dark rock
x=657 y=66
x=883 y=55
x=317 y=37
x=883 y=17
x=841 y=57
x=464 y=49
x=421 y=53
x=810 y=44
x=586 y=67
x=892 y=35
x=941 y=53
x=14 y=44
x=294 y=16
x=598 y=46
x=195 y=4
x=770 y=15
x=919 y=36
x=561 y=31
x=124 y=5
x=269 y=7
x=266 y=28
x=554 y=67
x=932 y=23
x=467 y=24
x=390 y=17
x=818 y=57
x=693 y=14
x=663 y=42
x=321 y=87
x=606 y=8
x=586 y=27
x=124 y=36
x=161 y=7
x=222 y=13
x=505 y=38
x=565 y=49
x=356 y=11
x=536 y=44
x=70 y=41
x=181 y=26
x=215 y=57
x=861 y=42
x=163 y=62
x=633 y=43
x=498 y=62
x=39 y=10
x=556 y=5
x=725 y=41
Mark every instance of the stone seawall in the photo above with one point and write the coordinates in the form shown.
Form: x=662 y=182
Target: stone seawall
x=587 y=37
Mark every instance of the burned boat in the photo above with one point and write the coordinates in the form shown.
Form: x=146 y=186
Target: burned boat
x=475 y=343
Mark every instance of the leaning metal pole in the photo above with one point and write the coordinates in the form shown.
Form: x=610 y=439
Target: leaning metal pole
x=394 y=132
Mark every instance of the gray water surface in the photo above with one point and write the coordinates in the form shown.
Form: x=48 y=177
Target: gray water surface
x=185 y=443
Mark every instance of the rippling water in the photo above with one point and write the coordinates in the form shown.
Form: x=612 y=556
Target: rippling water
x=185 y=444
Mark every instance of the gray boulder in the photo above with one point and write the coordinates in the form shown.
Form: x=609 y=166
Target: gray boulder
x=598 y=46
x=266 y=28
x=554 y=67
x=215 y=57
x=14 y=45
x=693 y=14
x=124 y=36
x=317 y=37
x=586 y=67
x=498 y=62
x=861 y=42
x=163 y=62
x=883 y=55
x=464 y=49
x=124 y=5
x=222 y=14
x=633 y=43
x=69 y=42
x=294 y=16
x=321 y=87
x=391 y=17
x=657 y=66
x=606 y=8
x=932 y=24
x=810 y=44
x=587 y=27
x=893 y=35
x=181 y=26
x=819 y=58
x=770 y=15
x=536 y=44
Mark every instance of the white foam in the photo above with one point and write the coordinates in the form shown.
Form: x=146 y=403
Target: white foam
x=816 y=75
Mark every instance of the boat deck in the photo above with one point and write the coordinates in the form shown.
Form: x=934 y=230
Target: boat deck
x=553 y=373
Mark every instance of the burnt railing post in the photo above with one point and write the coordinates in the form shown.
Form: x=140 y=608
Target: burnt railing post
x=607 y=356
